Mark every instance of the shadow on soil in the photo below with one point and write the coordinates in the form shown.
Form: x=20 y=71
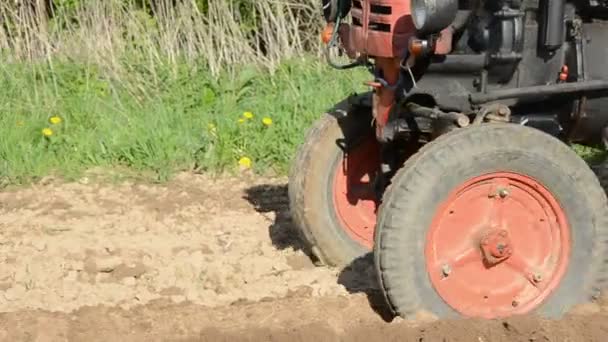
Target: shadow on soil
x=272 y=198
x=358 y=277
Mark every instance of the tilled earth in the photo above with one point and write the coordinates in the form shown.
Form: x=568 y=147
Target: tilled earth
x=201 y=259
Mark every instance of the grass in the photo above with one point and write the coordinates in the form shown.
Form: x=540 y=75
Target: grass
x=156 y=124
x=153 y=87
x=221 y=34
x=592 y=155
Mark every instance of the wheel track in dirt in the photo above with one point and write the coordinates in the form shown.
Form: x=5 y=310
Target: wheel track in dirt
x=287 y=319
x=200 y=258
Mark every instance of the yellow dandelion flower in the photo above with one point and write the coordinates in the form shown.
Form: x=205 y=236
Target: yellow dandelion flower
x=55 y=120
x=248 y=115
x=245 y=162
x=47 y=132
x=267 y=121
x=241 y=120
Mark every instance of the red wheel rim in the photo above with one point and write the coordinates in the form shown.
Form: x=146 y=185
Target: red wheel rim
x=353 y=191
x=498 y=246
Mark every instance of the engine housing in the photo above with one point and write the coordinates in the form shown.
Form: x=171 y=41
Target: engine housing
x=489 y=47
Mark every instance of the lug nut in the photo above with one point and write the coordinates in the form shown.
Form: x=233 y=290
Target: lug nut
x=514 y=303
x=503 y=111
x=463 y=121
x=503 y=193
x=537 y=278
x=446 y=270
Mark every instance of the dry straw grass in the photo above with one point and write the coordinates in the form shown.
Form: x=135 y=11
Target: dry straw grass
x=106 y=32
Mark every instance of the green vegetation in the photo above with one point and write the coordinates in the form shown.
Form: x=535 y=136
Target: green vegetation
x=592 y=155
x=159 y=86
x=156 y=86
x=187 y=120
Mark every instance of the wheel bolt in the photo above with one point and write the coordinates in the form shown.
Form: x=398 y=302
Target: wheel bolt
x=503 y=193
x=514 y=303
x=537 y=278
x=446 y=270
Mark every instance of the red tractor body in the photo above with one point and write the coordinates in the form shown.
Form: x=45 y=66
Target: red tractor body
x=381 y=28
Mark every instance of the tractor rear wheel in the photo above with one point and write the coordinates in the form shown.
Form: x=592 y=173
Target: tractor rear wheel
x=492 y=221
x=331 y=185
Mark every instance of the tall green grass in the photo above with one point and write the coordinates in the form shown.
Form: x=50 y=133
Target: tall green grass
x=159 y=85
x=175 y=119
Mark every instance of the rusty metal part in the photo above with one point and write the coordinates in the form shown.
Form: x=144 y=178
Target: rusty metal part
x=459 y=119
x=493 y=113
x=496 y=246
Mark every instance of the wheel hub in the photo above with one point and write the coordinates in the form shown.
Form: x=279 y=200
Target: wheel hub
x=497 y=246
x=354 y=195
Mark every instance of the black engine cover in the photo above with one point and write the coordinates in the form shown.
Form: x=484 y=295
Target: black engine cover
x=595 y=9
x=595 y=56
x=509 y=48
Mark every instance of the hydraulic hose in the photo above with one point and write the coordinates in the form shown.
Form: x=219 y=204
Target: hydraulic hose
x=333 y=40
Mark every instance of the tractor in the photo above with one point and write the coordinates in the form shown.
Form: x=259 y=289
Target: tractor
x=457 y=169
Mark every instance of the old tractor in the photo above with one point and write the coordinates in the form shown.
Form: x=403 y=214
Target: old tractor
x=457 y=169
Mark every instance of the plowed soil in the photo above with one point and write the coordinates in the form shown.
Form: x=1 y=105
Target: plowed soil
x=202 y=259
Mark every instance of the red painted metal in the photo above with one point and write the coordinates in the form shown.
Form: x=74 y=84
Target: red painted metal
x=443 y=45
x=353 y=192
x=563 y=75
x=384 y=97
x=497 y=246
x=327 y=33
x=381 y=28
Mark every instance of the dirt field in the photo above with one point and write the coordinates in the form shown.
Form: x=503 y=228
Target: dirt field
x=199 y=259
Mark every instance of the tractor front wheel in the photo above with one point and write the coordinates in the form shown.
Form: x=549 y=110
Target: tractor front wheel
x=492 y=221
x=331 y=185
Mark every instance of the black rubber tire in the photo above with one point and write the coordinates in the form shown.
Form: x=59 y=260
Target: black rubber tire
x=310 y=181
x=428 y=177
